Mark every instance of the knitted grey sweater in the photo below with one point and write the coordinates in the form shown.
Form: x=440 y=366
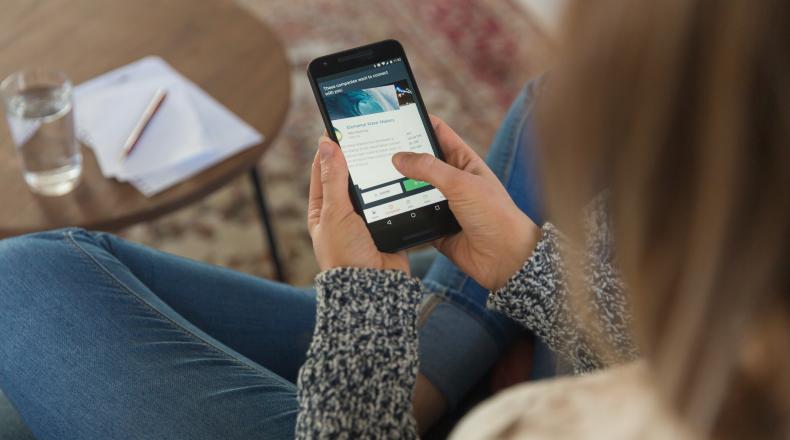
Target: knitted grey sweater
x=361 y=366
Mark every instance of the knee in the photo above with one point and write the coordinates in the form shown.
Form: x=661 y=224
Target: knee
x=37 y=268
x=27 y=257
x=18 y=251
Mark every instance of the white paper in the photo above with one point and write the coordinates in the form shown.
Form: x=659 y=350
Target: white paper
x=189 y=133
x=152 y=183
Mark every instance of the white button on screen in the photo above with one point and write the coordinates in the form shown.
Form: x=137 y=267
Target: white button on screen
x=382 y=193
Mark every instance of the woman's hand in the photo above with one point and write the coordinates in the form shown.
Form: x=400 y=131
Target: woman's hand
x=340 y=237
x=497 y=237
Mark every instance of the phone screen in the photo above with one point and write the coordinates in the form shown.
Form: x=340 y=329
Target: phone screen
x=374 y=115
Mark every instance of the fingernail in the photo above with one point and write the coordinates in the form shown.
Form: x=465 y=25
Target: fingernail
x=325 y=150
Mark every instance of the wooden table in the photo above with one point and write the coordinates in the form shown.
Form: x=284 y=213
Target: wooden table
x=230 y=54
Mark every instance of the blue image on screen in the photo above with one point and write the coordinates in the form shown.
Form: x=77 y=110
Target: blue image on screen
x=361 y=102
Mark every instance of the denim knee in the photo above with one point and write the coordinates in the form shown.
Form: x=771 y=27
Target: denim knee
x=36 y=242
x=25 y=258
x=23 y=249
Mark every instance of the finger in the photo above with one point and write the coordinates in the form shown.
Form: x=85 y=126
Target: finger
x=427 y=167
x=334 y=176
x=315 y=197
x=456 y=152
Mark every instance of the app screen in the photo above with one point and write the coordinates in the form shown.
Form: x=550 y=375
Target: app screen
x=374 y=115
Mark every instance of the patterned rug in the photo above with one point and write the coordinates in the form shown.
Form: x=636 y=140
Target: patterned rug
x=470 y=58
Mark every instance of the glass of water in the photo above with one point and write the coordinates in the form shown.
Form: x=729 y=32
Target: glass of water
x=38 y=107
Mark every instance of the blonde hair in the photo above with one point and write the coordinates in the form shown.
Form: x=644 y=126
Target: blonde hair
x=680 y=109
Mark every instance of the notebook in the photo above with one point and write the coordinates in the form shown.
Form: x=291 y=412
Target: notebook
x=190 y=132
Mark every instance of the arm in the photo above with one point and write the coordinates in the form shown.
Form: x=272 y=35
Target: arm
x=359 y=375
x=340 y=239
x=537 y=296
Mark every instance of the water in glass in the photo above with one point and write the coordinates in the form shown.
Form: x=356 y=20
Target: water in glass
x=41 y=120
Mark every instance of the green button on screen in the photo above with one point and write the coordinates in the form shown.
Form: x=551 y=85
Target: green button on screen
x=411 y=184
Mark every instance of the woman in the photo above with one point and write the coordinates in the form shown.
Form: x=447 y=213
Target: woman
x=674 y=108
x=678 y=110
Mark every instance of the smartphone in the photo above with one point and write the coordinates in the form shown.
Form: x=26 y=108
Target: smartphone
x=372 y=108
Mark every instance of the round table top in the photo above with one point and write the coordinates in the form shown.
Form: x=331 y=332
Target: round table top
x=216 y=44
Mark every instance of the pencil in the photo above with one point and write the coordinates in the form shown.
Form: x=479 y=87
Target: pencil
x=145 y=119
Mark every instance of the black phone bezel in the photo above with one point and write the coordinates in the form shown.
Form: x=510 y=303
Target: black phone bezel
x=407 y=229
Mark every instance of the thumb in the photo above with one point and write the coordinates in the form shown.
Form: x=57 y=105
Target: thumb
x=334 y=175
x=429 y=168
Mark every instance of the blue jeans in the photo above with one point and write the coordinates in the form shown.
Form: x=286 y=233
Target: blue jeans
x=102 y=338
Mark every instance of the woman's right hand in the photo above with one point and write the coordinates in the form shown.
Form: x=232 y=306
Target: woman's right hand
x=497 y=237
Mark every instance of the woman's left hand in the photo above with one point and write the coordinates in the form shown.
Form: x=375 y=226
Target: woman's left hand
x=340 y=237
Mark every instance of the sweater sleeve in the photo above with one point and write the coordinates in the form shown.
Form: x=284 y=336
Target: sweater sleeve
x=537 y=296
x=361 y=366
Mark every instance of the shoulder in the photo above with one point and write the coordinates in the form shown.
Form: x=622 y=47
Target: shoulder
x=618 y=403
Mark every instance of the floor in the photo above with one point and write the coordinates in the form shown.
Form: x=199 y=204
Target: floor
x=11 y=428
x=547 y=13
x=470 y=57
